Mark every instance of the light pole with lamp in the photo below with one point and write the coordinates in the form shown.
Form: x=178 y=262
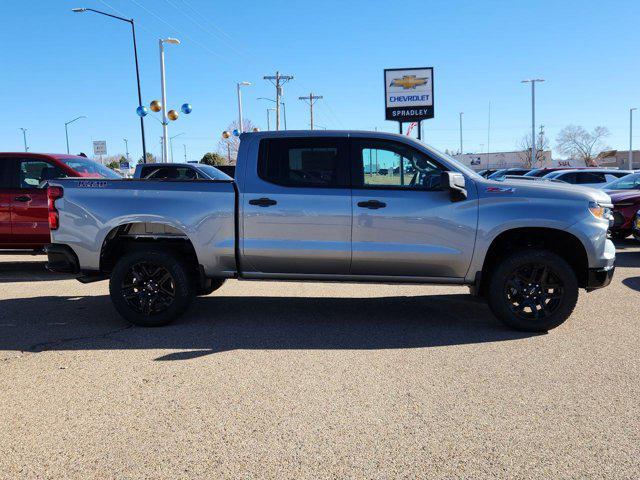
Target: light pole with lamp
x=239 y=85
x=461 y=113
x=24 y=137
x=284 y=109
x=533 y=81
x=630 y=138
x=171 y=144
x=268 y=118
x=135 y=54
x=66 y=130
x=165 y=120
x=126 y=147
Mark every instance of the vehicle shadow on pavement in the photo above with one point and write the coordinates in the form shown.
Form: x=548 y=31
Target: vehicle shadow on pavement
x=627 y=259
x=217 y=324
x=632 y=282
x=28 y=272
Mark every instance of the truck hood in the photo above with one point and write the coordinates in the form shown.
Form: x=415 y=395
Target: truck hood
x=544 y=189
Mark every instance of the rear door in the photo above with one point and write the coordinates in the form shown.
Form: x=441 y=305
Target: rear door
x=29 y=214
x=6 y=178
x=404 y=224
x=296 y=207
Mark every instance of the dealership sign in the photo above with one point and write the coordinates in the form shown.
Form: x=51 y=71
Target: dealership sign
x=99 y=147
x=408 y=94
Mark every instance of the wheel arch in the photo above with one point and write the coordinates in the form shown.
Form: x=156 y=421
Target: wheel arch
x=561 y=242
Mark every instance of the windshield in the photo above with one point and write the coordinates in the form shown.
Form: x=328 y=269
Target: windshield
x=628 y=182
x=213 y=172
x=88 y=168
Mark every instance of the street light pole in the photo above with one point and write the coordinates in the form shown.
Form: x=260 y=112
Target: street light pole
x=630 y=138
x=66 y=130
x=268 y=122
x=165 y=120
x=135 y=55
x=239 y=86
x=185 y=152
x=126 y=147
x=533 y=81
x=284 y=109
x=461 y=113
x=24 y=137
x=171 y=144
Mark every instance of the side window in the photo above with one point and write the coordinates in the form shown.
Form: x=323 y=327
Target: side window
x=32 y=172
x=610 y=177
x=590 y=177
x=295 y=162
x=568 y=177
x=387 y=164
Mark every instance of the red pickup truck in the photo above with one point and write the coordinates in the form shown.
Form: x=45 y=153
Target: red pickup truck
x=23 y=202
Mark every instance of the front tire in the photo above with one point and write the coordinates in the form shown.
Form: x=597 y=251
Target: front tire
x=532 y=290
x=151 y=288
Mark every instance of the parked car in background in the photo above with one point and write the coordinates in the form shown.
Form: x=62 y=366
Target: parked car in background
x=486 y=172
x=514 y=172
x=591 y=177
x=636 y=227
x=541 y=172
x=179 y=171
x=23 y=200
x=628 y=182
x=626 y=204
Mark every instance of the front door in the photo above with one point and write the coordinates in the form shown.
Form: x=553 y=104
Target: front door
x=29 y=212
x=296 y=208
x=404 y=224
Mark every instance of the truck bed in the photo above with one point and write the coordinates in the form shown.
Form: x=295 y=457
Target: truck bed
x=202 y=212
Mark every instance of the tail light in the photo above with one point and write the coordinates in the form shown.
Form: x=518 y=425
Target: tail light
x=53 y=193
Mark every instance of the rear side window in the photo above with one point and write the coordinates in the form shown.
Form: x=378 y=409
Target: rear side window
x=31 y=173
x=590 y=177
x=301 y=162
x=567 y=177
x=170 y=173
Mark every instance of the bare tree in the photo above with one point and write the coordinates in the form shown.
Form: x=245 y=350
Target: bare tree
x=542 y=144
x=228 y=147
x=576 y=142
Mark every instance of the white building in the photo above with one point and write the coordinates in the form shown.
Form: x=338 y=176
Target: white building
x=482 y=161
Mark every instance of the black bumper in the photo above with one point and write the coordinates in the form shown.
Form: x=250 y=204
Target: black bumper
x=599 y=277
x=61 y=259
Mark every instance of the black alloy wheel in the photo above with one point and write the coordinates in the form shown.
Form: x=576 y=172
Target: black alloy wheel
x=148 y=288
x=533 y=291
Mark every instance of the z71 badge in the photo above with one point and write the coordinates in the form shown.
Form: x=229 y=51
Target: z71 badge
x=91 y=184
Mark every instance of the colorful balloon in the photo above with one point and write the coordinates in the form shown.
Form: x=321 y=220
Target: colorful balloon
x=156 y=106
x=173 y=115
x=186 y=108
x=142 y=111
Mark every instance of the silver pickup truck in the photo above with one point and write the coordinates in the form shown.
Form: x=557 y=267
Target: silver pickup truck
x=335 y=206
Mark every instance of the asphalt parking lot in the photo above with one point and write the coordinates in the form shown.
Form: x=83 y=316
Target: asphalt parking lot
x=306 y=380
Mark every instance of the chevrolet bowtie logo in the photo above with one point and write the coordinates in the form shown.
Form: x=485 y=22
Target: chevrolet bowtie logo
x=408 y=81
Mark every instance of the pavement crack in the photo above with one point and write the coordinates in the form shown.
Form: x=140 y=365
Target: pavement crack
x=45 y=346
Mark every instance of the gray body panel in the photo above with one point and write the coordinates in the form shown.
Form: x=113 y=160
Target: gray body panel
x=321 y=233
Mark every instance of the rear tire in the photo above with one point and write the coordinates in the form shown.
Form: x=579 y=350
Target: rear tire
x=532 y=290
x=151 y=287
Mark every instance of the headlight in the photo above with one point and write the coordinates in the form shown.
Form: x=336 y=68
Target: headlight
x=600 y=210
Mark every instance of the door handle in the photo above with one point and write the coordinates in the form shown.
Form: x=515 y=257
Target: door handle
x=262 y=202
x=372 y=204
x=23 y=198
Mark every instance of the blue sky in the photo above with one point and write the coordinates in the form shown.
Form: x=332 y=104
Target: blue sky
x=57 y=65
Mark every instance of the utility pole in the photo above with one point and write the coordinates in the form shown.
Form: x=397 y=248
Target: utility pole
x=533 y=114
x=461 y=113
x=630 y=138
x=185 y=152
x=278 y=80
x=489 y=134
x=310 y=100
x=126 y=147
x=24 y=137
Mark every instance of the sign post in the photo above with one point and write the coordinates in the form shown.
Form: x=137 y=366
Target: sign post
x=408 y=95
x=99 y=148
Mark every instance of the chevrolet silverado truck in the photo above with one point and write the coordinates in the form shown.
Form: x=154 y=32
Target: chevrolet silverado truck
x=342 y=206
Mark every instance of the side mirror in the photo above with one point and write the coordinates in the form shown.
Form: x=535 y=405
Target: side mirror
x=455 y=183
